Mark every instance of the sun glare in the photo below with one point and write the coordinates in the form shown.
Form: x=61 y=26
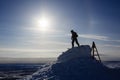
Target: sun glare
x=43 y=24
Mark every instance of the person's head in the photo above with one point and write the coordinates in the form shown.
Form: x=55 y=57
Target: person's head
x=72 y=31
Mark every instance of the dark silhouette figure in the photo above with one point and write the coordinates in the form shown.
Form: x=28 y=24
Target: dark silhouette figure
x=74 y=38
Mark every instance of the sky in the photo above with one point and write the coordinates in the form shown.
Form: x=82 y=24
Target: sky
x=41 y=28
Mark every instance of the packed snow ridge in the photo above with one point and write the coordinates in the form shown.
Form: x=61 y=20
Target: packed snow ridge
x=76 y=64
x=76 y=52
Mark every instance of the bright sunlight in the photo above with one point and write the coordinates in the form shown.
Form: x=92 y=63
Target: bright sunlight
x=43 y=23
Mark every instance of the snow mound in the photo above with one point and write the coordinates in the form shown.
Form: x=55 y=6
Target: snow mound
x=76 y=64
x=81 y=52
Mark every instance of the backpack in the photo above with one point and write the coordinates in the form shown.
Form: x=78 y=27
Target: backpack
x=76 y=35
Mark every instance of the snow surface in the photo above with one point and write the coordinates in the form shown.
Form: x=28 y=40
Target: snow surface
x=83 y=52
x=76 y=64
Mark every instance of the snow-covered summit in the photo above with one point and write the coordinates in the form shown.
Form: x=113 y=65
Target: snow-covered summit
x=83 y=51
x=76 y=64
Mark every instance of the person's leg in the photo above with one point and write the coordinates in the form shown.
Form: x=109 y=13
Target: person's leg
x=77 y=42
x=73 y=43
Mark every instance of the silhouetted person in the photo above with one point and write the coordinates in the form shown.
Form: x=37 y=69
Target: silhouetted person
x=74 y=38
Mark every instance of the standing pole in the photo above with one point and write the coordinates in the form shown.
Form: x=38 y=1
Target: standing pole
x=94 y=48
x=98 y=55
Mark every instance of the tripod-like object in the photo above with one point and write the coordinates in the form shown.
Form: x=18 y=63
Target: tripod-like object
x=94 y=49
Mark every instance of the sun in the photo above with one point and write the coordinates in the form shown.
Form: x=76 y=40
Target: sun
x=43 y=23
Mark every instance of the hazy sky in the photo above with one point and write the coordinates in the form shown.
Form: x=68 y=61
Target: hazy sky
x=22 y=34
